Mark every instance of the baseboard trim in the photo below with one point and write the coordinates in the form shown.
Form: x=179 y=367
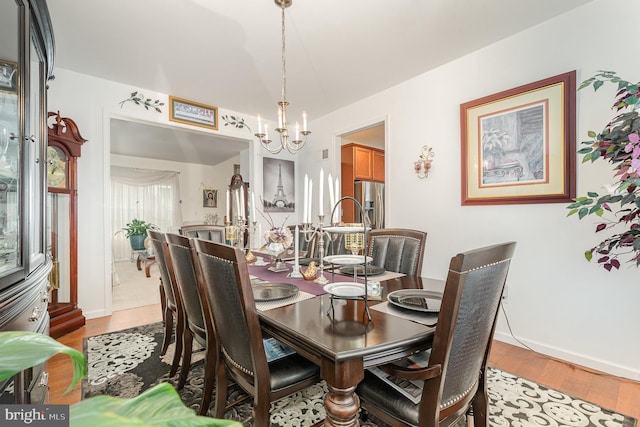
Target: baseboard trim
x=571 y=357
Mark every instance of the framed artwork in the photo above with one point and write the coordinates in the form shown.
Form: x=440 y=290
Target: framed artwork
x=278 y=185
x=8 y=76
x=209 y=198
x=193 y=113
x=518 y=146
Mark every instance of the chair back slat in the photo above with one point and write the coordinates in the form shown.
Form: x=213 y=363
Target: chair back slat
x=157 y=241
x=180 y=252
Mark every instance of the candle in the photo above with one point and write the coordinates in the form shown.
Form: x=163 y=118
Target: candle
x=320 y=195
x=306 y=199
x=304 y=121
x=336 y=218
x=280 y=118
x=242 y=214
x=297 y=132
x=228 y=210
x=253 y=206
x=332 y=200
x=237 y=197
x=295 y=247
x=266 y=132
x=310 y=198
x=259 y=124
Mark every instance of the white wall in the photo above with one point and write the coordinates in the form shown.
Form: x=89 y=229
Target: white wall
x=557 y=303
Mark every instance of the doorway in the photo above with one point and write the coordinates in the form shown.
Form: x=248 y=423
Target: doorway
x=201 y=159
x=363 y=166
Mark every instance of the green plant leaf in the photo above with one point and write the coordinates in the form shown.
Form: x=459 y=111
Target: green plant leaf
x=572 y=211
x=20 y=350
x=588 y=255
x=159 y=406
x=583 y=212
x=597 y=84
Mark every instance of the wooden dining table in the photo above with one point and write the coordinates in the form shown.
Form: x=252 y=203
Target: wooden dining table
x=336 y=335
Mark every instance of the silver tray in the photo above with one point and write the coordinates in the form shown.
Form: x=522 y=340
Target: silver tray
x=416 y=300
x=268 y=291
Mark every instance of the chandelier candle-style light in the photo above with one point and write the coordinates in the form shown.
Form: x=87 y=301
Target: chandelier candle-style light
x=300 y=136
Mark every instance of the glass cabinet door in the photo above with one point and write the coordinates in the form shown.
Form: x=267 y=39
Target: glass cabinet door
x=10 y=103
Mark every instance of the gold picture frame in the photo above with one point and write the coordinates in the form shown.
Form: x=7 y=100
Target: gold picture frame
x=518 y=146
x=193 y=113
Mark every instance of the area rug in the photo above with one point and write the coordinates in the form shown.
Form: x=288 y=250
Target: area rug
x=127 y=362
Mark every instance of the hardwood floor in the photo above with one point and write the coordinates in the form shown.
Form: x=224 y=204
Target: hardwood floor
x=614 y=393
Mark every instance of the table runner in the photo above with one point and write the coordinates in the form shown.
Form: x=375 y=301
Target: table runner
x=308 y=286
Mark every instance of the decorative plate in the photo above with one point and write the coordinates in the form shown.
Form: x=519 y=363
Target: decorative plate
x=345 y=289
x=372 y=270
x=345 y=229
x=416 y=300
x=268 y=291
x=347 y=259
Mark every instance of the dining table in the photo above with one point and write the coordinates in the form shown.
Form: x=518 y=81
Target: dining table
x=340 y=337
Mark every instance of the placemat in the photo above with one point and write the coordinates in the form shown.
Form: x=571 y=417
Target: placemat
x=428 y=319
x=269 y=305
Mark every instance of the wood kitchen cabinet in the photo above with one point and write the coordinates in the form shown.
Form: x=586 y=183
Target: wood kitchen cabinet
x=358 y=163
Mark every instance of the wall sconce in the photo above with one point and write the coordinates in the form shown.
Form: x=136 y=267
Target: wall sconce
x=423 y=166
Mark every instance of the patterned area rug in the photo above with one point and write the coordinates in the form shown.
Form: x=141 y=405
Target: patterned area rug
x=128 y=362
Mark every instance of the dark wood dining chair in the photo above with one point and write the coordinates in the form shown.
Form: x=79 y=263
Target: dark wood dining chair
x=454 y=378
x=197 y=317
x=170 y=300
x=397 y=249
x=215 y=233
x=242 y=355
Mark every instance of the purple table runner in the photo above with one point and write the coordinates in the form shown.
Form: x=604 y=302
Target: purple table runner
x=308 y=286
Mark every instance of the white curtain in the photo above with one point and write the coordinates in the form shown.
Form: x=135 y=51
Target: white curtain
x=149 y=195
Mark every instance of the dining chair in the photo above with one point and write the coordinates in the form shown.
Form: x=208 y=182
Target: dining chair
x=169 y=298
x=454 y=378
x=215 y=233
x=197 y=316
x=242 y=355
x=397 y=249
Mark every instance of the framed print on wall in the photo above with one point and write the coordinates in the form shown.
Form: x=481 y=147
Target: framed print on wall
x=518 y=146
x=209 y=198
x=278 y=185
x=193 y=113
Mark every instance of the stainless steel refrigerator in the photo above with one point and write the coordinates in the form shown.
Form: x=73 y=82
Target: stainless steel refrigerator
x=371 y=196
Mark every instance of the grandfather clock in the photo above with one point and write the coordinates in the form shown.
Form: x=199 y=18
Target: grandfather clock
x=64 y=145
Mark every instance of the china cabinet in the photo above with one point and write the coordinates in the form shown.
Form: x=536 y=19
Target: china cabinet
x=65 y=144
x=26 y=63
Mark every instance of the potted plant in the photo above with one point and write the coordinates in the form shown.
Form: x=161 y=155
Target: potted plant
x=158 y=406
x=619 y=144
x=136 y=232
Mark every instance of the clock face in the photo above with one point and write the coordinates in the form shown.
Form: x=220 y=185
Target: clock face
x=280 y=203
x=56 y=167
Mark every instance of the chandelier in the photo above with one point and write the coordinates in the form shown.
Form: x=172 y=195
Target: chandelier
x=291 y=143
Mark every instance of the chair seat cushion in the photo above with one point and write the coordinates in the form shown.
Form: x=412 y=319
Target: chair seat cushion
x=290 y=370
x=377 y=393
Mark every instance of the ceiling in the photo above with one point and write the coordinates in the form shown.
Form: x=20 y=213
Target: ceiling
x=228 y=53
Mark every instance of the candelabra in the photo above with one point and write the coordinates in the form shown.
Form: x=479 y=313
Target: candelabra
x=318 y=232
